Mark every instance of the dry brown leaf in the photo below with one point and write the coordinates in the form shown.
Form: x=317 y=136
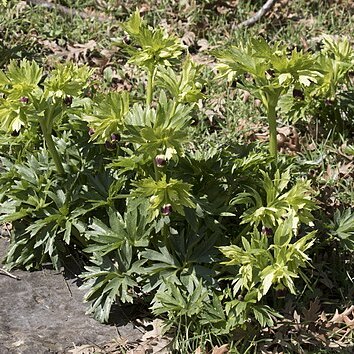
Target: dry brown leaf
x=141 y=349
x=156 y=331
x=53 y=46
x=296 y=317
x=349 y=322
x=222 y=10
x=20 y=7
x=78 y=51
x=339 y=317
x=220 y=350
x=203 y=45
x=83 y=349
x=246 y=96
x=188 y=38
x=153 y=341
x=144 y=8
x=323 y=317
x=311 y=314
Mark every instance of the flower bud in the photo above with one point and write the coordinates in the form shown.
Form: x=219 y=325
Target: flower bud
x=110 y=145
x=24 y=100
x=160 y=161
x=166 y=210
x=115 y=138
x=127 y=40
x=91 y=131
x=281 y=293
x=329 y=102
x=270 y=73
x=267 y=231
x=298 y=94
x=68 y=100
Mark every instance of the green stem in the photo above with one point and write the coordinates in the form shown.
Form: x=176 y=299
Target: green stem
x=174 y=107
x=272 y=121
x=150 y=86
x=51 y=147
x=157 y=174
x=164 y=233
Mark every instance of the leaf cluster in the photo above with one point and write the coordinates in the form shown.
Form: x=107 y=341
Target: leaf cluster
x=202 y=235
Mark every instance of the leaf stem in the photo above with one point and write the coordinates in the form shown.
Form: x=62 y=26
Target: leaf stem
x=157 y=174
x=51 y=147
x=272 y=121
x=150 y=86
x=165 y=234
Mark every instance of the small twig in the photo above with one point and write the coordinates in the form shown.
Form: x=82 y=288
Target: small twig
x=65 y=10
x=5 y=272
x=67 y=286
x=7 y=229
x=252 y=20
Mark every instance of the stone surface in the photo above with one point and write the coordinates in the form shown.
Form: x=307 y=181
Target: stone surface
x=44 y=313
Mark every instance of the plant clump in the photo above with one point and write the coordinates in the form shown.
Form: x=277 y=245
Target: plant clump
x=212 y=239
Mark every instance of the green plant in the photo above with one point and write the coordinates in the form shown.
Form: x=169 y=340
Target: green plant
x=296 y=84
x=267 y=72
x=263 y=263
x=26 y=102
x=206 y=236
x=45 y=211
x=150 y=47
x=46 y=169
x=342 y=228
x=270 y=208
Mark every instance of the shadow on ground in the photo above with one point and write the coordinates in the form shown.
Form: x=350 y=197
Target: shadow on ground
x=43 y=312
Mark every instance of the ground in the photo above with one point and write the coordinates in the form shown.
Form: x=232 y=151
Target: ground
x=43 y=312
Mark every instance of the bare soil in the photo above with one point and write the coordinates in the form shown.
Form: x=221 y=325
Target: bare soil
x=43 y=312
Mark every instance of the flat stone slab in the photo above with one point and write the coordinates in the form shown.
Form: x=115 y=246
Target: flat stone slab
x=44 y=313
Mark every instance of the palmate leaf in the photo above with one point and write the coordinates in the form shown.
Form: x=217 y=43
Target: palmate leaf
x=67 y=80
x=12 y=116
x=21 y=79
x=105 y=239
x=241 y=310
x=161 y=265
x=340 y=50
x=38 y=243
x=132 y=161
x=294 y=108
x=108 y=115
x=213 y=313
x=273 y=201
x=342 y=228
x=183 y=87
x=52 y=227
x=151 y=46
x=135 y=24
x=188 y=257
x=268 y=72
x=106 y=287
x=22 y=253
x=252 y=58
x=133 y=228
x=261 y=263
x=174 y=192
x=46 y=210
x=160 y=130
x=179 y=301
x=112 y=279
